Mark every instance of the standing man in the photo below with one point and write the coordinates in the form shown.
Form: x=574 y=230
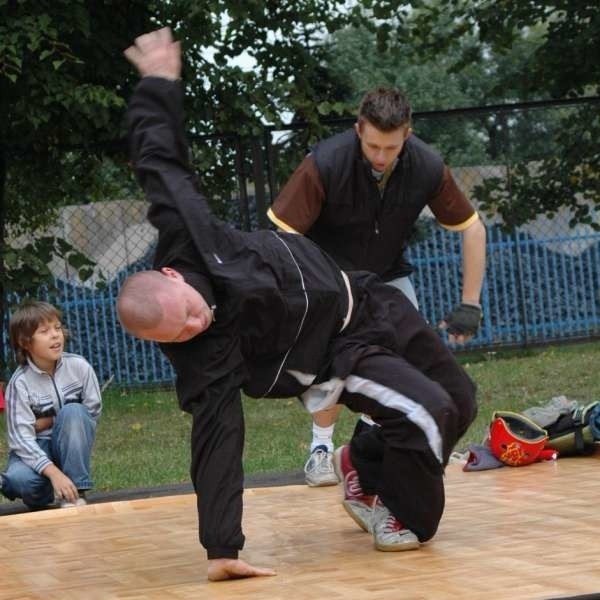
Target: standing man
x=358 y=195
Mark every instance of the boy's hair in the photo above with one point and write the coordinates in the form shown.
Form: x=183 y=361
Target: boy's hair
x=24 y=321
x=385 y=108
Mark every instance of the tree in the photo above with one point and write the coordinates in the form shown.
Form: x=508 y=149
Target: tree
x=250 y=64
x=64 y=85
x=62 y=95
x=533 y=50
x=559 y=67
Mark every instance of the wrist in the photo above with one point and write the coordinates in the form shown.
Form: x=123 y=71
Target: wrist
x=158 y=75
x=471 y=302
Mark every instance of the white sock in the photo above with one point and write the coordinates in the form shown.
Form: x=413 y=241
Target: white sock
x=322 y=436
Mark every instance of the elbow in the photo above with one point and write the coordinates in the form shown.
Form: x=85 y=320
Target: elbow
x=476 y=232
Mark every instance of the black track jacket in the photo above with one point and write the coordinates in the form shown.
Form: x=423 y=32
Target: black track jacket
x=279 y=301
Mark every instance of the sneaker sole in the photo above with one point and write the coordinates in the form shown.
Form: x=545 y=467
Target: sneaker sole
x=360 y=522
x=412 y=545
x=347 y=503
x=322 y=482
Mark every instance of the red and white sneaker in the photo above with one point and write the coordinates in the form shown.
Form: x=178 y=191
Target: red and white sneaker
x=389 y=534
x=356 y=503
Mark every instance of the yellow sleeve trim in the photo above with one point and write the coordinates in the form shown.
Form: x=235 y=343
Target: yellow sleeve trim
x=464 y=225
x=280 y=223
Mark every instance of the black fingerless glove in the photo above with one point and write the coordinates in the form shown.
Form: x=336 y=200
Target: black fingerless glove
x=464 y=319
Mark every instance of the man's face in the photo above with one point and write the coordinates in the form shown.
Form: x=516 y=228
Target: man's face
x=185 y=312
x=381 y=148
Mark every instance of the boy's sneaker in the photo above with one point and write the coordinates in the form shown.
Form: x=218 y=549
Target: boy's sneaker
x=318 y=470
x=81 y=501
x=357 y=504
x=389 y=534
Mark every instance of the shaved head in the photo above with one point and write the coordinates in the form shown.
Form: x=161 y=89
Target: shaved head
x=161 y=306
x=138 y=304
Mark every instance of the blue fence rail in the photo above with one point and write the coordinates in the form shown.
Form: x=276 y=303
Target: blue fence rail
x=536 y=290
x=533 y=292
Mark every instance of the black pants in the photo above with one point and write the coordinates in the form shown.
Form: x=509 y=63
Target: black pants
x=422 y=400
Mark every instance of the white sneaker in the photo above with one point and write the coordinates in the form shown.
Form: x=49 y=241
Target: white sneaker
x=79 y=502
x=318 y=470
x=389 y=534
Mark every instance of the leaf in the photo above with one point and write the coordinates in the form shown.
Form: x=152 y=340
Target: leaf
x=324 y=108
x=77 y=260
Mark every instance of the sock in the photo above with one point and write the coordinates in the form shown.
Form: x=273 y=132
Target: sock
x=322 y=436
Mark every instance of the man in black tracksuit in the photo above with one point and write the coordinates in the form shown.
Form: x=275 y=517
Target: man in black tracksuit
x=271 y=314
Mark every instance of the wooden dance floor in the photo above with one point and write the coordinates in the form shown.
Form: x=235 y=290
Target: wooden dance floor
x=509 y=533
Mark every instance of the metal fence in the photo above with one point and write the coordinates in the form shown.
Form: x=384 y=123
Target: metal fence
x=542 y=280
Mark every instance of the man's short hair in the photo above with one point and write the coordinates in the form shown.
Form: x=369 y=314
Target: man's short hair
x=385 y=108
x=138 y=303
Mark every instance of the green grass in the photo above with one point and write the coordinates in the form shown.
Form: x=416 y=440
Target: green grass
x=143 y=437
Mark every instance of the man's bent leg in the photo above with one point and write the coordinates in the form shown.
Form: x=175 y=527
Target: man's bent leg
x=402 y=460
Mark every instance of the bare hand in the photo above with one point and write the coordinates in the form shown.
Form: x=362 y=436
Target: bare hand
x=155 y=54
x=64 y=488
x=220 y=569
x=43 y=423
x=454 y=340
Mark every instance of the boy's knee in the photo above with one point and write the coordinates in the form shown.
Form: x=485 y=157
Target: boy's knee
x=73 y=414
x=72 y=410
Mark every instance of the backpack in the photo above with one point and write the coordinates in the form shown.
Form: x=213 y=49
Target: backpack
x=574 y=433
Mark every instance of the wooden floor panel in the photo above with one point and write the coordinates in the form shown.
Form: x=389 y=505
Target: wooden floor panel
x=512 y=533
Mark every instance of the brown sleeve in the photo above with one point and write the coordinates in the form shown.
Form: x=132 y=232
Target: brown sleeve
x=299 y=203
x=450 y=206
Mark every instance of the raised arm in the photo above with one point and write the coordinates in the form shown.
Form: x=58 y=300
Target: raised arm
x=209 y=370
x=159 y=149
x=155 y=54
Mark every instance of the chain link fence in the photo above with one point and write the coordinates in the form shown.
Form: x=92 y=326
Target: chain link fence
x=542 y=281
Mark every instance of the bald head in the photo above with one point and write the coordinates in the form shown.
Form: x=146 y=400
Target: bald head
x=138 y=305
x=162 y=306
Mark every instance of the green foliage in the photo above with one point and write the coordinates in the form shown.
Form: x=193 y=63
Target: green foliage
x=466 y=53
x=63 y=85
x=560 y=65
x=284 y=43
x=27 y=267
x=568 y=177
x=251 y=64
